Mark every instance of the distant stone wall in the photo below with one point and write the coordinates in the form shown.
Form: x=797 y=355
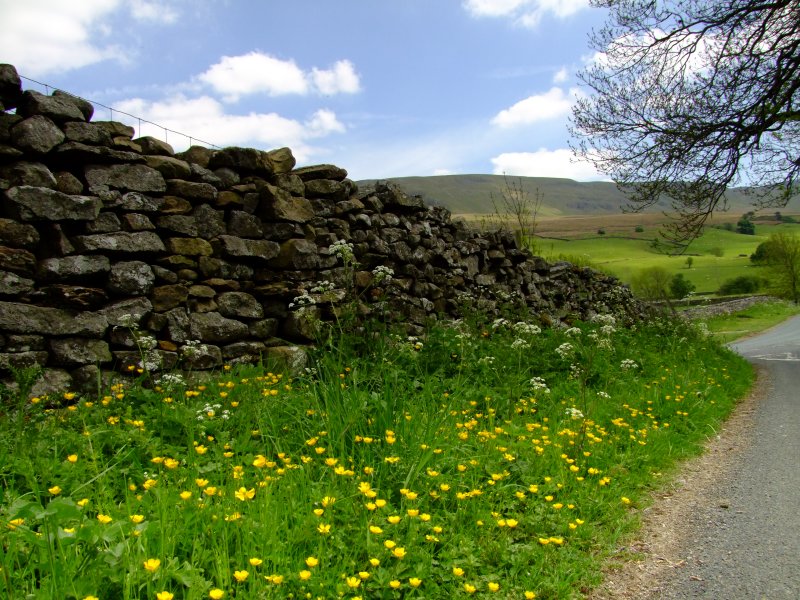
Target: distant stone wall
x=100 y=232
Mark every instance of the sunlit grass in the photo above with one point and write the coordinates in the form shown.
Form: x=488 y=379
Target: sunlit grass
x=624 y=258
x=757 y=318
x=486 y=459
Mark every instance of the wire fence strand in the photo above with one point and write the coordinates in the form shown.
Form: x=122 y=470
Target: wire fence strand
x=111 y=110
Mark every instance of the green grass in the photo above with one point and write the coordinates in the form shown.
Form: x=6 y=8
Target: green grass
x=438 y=467
x=624 y=258
x=755 y=319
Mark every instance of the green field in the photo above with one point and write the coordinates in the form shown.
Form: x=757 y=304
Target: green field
x=624 y=257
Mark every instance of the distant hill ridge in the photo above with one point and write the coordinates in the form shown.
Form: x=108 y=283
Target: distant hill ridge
x=472 y=194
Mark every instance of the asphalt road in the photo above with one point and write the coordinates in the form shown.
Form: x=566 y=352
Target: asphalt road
x=744 y=543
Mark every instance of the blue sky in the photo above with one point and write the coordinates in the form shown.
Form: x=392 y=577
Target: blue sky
x=383 y=88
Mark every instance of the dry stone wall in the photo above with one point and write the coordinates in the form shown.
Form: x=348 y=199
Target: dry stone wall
x=102 y=235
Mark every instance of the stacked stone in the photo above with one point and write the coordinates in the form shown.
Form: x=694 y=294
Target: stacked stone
x=103 y=236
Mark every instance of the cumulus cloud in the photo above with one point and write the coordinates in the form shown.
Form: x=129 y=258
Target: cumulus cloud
x=205 y=119
x=561 y=75
x=553 y=104
x=545 y=163
x=254 y=72
x=527 y=13
x=259 y=73
x=46 y=36
x=153 y=12
x=52 y=36
x=341 y=79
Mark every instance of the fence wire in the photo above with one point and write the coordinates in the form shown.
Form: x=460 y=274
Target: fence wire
x=47 y=87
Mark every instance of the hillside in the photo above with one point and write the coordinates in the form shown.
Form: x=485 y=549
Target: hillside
x=472 y=194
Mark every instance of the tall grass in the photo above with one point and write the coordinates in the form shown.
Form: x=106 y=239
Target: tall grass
x=485 y=458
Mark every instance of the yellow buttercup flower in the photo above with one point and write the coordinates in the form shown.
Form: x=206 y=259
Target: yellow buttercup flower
x=244 y=494
x=136 y=518
x=254 y=561
x=304 y=575
x=55 y=490
x=241 y=576
x=353 y=582
x=152 y=564
x=493 y=586
x=104 y=519
x=414 y=582
x=73 y=458
x=216 y=594
x=312 y=561
x=458 y=571
x=164 y=595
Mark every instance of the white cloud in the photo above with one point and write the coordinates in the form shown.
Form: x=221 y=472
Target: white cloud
x=552 y=104
x=259 y=73
x=545 y=163
x=153 y=12
x=527 y=13
x=46 y=36
x=493 y=8
x=442 y=172
x=205 y=119
x=561 y=75
x=342 y=78
x=236 y=76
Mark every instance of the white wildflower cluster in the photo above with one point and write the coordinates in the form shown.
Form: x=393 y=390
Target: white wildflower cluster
x=146 y=342
x=565 y=350
x=500 y=324
x=604 y=319
x=130 y=321
x=520 y=344
x=193 y=349
x=628 y=365
x=576 y=371
x=702 y=329
x=302 y=301
x=171 y=380
x=539 y=385
x=151 y=360
x=382 y=273
x=323 y=287
x=486 y=360
x=343 y=250
x=603 y=395
x=573 y=332
x=573 y=413
x=523 y=328
x=465 y=297
x=211 y=411
x=311 y=371
x=410 y=345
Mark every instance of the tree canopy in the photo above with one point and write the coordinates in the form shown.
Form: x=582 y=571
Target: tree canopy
x=687 y=98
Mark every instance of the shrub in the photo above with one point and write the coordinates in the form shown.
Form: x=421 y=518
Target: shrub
x=744 y=284
x=716 y=251
x=680 y=287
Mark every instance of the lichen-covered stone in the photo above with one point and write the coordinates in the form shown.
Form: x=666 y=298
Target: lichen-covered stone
x=73 y=267
x=122 y=241
x=131 y=278
x=215 y=328
x=30 y=203
x=240 y=305
x=134 y=178
x=79 y=351
x=26 y=318
x=36 y=134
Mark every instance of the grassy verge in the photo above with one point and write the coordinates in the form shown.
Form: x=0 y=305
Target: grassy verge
x=716 y=257
x=484 y=460
x=755 y=319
